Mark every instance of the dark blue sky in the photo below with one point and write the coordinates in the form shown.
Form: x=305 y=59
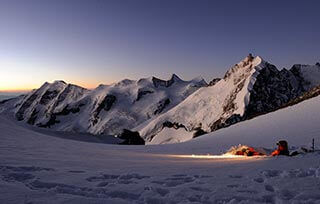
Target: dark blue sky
x=100 y=41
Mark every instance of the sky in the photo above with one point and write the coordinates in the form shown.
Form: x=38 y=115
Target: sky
x=89 y=42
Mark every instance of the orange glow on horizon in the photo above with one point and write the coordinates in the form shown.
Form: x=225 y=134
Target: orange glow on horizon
x=19 y=89
x=24 y=75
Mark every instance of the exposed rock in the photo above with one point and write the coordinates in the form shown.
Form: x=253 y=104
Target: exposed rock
x=53 y=116
x=67 y=110
x=166 y=124
x=48 y=96
x=226 y=122
x=307 y=95
x=106 y=103
x=250 y=88
x=25 y=105
x=250 y=57
x=161 y=106
x=214 y=81
x=33 y=117
x=68 y=91
x=236 y=67
x=142 y=92
x=176 y=126
x=159 y=82
x=296 y=71
x=273 y=88
x=198 y=132
x=131 y=138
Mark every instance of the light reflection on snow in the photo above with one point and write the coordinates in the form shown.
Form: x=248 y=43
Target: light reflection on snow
x=208 y=156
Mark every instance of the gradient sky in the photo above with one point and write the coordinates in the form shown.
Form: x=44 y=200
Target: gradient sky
x=103 y=41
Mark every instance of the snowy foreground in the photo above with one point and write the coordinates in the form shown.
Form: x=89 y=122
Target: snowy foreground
x=39 y=168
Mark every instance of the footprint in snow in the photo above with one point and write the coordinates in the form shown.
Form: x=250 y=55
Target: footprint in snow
x=258 y=180
x=20 y=173
x=235 y=176
x=102 y=178
x=233 y=186
x=88 y=192
x=271 y=173
x=286 y=194
x=248 y=191
x=200 y=189
x=179 y=175
x=161 y=191
x=76 y=171
x=269 y=188
x=102 y=184
x=108 y=179
x=202 y=176
x=175 y=181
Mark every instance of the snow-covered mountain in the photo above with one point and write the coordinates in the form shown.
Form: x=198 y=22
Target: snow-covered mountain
x=108 y=109
x=167 y=111
x=250 y=88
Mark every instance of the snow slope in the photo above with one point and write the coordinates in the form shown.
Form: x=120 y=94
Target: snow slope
x=108 y=109
x=250 y=88
x=166 y=111
x=207 y=105
x=38 y=168
x=297 y=124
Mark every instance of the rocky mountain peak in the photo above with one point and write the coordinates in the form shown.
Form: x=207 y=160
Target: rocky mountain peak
x=59 y=82
x=175 y=78
x=214 y=81
x=250 y=88
x=244 y=66
x=165 y=83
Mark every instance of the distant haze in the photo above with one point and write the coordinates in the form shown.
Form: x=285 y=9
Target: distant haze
x=8 y=95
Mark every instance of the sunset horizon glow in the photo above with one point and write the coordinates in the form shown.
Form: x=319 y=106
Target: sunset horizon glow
x=88 y=43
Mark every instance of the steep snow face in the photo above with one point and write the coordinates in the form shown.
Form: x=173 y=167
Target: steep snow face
x=252 y=87
x=108 y=109
x=38 y=106
x=203 y=108
x=129 y=103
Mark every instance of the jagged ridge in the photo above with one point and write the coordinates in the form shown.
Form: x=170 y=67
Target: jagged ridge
x=108 y=109
x=250 y=88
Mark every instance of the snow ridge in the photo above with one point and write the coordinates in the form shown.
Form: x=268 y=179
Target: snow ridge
x=204 y=107
x=250 y=88
x=166 y=111
x=108 y=109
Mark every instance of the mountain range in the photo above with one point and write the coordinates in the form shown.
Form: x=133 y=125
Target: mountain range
x=167 y=111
